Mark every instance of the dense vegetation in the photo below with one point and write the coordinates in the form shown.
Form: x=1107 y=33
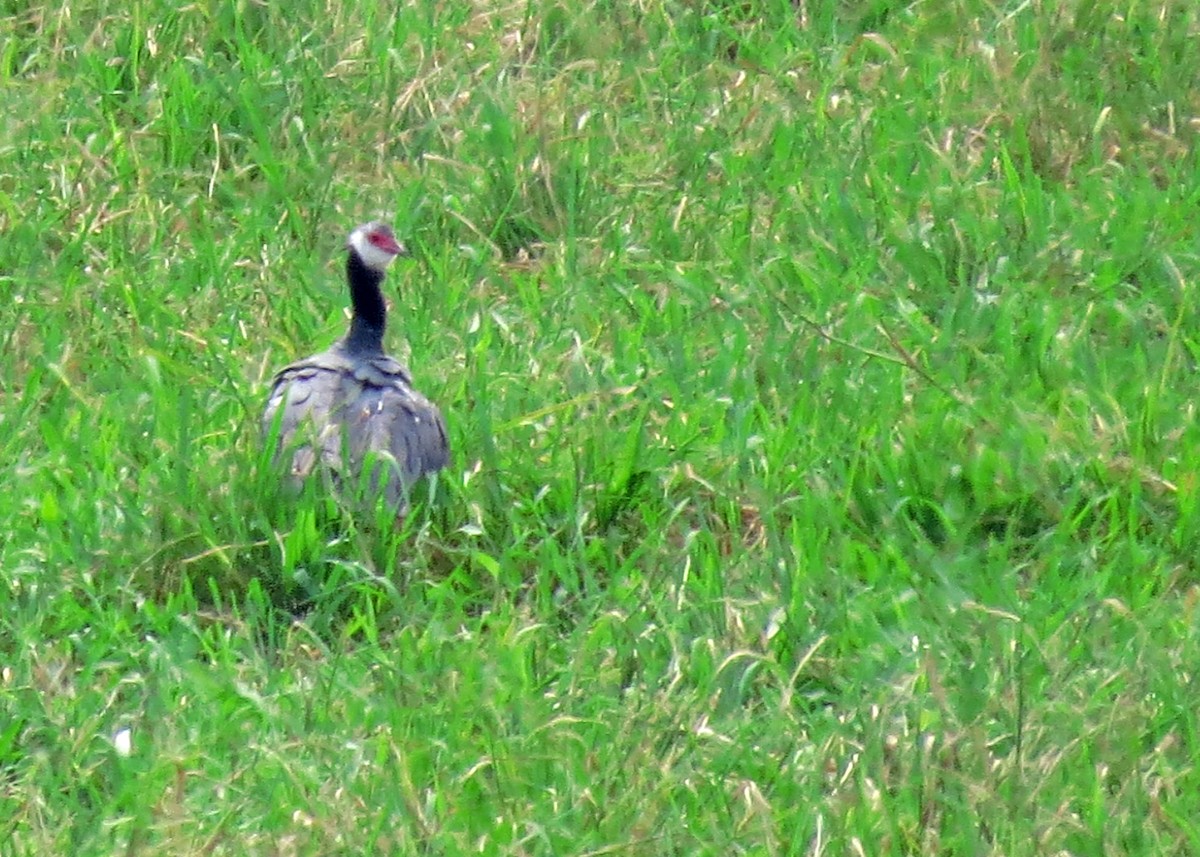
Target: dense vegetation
x=821 y=379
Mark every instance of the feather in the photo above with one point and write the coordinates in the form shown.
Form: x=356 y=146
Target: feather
x=353 y=411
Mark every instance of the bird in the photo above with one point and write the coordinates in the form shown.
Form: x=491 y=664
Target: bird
x=352 y=411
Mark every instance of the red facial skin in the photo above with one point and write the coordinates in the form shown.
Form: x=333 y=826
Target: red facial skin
x=385 y=241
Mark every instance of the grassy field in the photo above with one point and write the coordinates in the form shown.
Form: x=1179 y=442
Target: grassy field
x=821 y=382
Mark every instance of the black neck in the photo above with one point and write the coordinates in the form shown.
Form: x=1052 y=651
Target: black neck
x=370 y=312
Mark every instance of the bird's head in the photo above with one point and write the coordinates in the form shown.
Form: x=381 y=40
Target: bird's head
x=376 y=245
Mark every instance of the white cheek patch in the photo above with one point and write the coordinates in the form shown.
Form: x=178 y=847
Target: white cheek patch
x=371 y=255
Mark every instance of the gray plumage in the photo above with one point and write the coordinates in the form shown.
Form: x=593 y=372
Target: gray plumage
x=353 y=407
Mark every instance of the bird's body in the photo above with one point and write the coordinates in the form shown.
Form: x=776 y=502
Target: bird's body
x=353 y=406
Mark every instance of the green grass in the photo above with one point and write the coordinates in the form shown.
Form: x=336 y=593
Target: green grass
x=821 y=382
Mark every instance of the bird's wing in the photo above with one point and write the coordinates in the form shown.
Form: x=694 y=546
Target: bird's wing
x=390 y=417
x=307 y=399
x=353 y=410
x=383 y=371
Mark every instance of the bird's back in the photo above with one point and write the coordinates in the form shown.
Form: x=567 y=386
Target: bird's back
x=341 y=410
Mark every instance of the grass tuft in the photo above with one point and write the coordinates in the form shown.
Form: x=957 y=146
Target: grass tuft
x=819 y=379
